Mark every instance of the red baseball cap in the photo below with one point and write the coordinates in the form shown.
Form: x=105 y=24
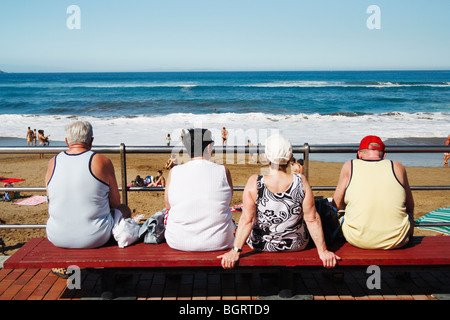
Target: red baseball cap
x=371 y=142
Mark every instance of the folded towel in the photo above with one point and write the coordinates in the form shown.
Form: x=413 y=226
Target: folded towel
x=32 y=201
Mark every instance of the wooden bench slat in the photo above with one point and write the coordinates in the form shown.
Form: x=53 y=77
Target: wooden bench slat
x=40 y=253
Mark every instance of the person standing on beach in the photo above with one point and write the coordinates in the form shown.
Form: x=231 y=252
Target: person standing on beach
x=168 y=139
x=83 y=196
x=224 y=136
x=447 y=154
x=30 y=137
x=43 y=140
x=251 y=158
x=182 y=135
x=376 y=197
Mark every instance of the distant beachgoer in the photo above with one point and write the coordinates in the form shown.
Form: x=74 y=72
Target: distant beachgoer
x=279 y=212
x=261 y=157
x=224 y=136
x=35 y=137
x=9 y=195
x=84 y=199
x=376 y=197
x=30 y=137
x=198 y=195
x=171 y=162
x=297 y=166
x=168 y=139
x=159 y=180
x=43 y=140
x=138 y=182
x=251 y=158
x=447 y=154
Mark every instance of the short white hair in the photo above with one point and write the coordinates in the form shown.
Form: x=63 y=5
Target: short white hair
x=79 y=132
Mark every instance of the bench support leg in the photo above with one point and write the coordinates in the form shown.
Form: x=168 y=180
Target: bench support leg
x=108 y=284
x=286 y=283
x=287 y=288
x=112 y=286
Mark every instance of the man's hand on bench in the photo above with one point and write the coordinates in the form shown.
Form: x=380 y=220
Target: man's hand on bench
x=125 y=210
x=329 y=258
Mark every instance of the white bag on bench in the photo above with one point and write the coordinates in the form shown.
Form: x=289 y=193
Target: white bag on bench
x=125 y=230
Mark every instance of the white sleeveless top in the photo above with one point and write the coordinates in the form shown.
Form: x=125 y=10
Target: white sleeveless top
x=78 y=204
x=200 y=218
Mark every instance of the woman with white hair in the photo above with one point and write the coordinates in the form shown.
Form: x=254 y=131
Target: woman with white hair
x=276 y=208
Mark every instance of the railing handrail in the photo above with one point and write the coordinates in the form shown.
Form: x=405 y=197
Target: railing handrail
x=232 y=149
x=235 y=188
x=306 y=149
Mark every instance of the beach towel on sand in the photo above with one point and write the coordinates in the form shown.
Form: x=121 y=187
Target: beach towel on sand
x=237 y=208
x=32 y=201
x=10 y=180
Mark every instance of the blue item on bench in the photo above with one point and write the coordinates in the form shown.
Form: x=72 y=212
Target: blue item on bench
x=152 y=231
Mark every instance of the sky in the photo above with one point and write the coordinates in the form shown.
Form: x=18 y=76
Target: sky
x=223 y=35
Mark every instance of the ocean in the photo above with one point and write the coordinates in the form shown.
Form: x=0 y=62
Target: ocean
x=319 y=108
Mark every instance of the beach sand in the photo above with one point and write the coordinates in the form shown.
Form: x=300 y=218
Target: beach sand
x=32 y=169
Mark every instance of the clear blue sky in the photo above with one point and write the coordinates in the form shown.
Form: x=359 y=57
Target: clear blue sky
x=208 y=35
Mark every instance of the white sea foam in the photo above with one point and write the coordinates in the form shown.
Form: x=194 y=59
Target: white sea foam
x=299 y=128
x=99 y=85
x=193 y=84
x=344 y=84
x=136 y=85
x=292 y=84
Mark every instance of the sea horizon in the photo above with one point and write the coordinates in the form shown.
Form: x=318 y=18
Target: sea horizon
x=229 y=71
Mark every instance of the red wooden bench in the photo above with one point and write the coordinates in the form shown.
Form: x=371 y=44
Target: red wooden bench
x=431 y=252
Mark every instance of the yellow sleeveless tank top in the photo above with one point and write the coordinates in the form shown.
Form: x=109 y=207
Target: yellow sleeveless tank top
x=375 y=215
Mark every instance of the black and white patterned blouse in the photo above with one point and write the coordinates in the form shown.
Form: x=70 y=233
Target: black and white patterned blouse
x=279 y=222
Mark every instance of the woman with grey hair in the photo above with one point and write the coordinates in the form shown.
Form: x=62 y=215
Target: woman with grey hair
x=276 y=208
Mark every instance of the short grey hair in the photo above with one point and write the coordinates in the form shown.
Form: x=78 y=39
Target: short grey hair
x=79 y=132
x=366 y=152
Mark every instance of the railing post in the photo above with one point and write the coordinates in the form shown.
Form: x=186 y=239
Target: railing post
x=123 y=168
x=306 y=160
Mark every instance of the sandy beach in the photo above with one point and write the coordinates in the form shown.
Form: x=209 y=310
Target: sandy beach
x=32 y=169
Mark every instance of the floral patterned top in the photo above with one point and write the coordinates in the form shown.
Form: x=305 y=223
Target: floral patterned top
x=279 y=224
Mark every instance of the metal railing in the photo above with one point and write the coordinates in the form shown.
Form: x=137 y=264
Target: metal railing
x=306 y=150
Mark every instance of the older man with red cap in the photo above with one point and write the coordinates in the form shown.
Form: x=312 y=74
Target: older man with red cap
x=377 y=199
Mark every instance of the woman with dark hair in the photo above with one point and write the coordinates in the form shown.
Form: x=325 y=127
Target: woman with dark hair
x=198 y=195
